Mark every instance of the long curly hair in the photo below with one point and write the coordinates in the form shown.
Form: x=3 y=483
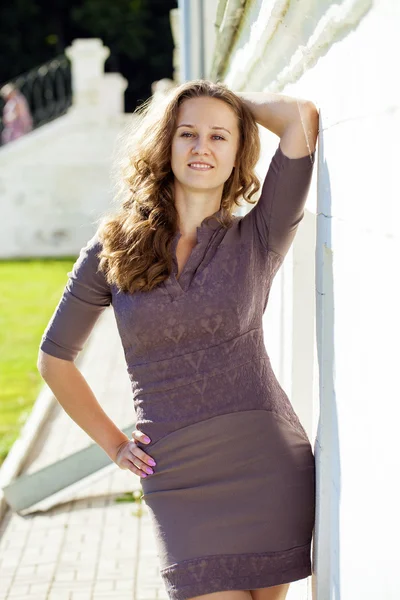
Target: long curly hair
x=137 y=237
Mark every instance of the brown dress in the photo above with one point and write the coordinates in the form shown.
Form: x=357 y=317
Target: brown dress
x=232 y=498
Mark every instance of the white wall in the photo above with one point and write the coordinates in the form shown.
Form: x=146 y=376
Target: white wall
x=343 y=57
x=56 y=181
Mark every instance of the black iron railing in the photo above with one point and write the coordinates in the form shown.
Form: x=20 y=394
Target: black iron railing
x=47 y=90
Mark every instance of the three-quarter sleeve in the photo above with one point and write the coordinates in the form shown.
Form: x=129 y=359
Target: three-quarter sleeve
x=85 y=296
x=274 y=219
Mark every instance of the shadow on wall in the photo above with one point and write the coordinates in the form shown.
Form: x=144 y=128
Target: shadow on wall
x=327 y=447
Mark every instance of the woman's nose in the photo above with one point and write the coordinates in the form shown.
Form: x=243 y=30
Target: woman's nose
x=200 y=145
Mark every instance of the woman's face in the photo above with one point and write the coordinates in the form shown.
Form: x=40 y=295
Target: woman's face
x=204 y=144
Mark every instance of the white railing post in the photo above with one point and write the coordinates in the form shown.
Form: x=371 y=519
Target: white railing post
x=94 y=92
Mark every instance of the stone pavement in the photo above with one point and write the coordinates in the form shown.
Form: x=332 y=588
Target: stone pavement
x=85 y=545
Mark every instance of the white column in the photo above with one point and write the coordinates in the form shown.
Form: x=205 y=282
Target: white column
x=113 y=86
x=87 y=58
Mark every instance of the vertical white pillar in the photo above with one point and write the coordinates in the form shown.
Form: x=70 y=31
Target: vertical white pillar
x=87 y=58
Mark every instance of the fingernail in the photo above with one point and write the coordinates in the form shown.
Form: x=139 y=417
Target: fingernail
x=149 y=470
x=152 y=462
x=143 y=475
x=147 y=439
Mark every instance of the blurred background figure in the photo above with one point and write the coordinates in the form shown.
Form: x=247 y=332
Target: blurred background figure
x=17 y=119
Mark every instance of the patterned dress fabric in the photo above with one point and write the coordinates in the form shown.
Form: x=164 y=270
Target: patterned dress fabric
x=232 y=498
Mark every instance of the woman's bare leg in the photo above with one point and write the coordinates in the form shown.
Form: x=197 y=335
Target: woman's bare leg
x=233 y=595
x=276 y=592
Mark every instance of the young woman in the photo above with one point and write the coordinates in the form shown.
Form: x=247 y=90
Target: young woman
x=229 y=473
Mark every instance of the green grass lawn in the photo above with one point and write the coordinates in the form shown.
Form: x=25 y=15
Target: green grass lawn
x=29 y=293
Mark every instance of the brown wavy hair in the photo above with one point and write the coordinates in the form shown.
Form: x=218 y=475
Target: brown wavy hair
x=136 y=239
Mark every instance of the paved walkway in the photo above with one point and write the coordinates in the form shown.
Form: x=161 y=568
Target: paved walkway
x=87 y=545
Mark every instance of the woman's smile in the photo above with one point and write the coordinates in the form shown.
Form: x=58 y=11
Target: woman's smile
x=199 y=166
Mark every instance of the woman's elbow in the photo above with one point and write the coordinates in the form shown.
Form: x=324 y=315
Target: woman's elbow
x=47 y=363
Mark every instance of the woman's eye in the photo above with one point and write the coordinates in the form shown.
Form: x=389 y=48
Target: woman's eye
x=188 y=133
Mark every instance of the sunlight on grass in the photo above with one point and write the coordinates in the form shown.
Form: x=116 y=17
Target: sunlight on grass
x=29 y=292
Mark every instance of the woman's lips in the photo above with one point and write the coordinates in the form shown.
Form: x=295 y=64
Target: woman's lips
x=200 y=167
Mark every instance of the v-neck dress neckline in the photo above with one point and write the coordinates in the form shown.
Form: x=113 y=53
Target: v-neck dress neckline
x=206 y=235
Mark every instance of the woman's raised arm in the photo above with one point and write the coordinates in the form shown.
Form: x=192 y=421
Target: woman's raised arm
x=294 y=120
x=274 y=219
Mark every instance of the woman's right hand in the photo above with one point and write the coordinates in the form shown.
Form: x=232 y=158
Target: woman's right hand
x=130 y=456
